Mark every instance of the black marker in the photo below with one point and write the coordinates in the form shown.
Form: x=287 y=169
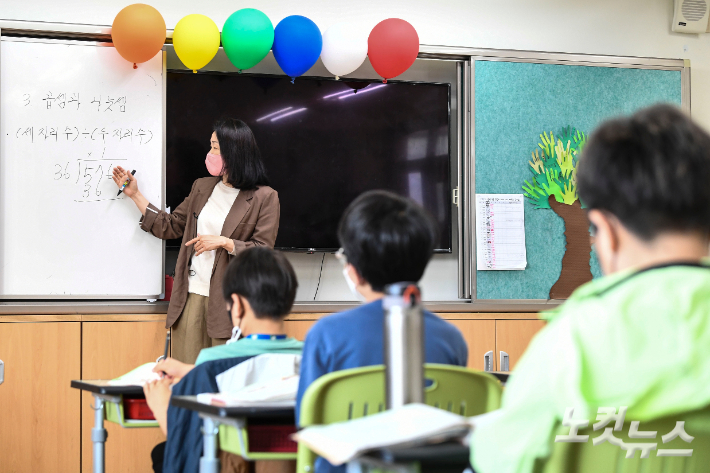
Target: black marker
x=165 y=355
x=133 y=173
x=167 y=344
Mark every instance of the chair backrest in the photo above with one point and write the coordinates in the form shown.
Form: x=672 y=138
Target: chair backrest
x=358 y=392
x=607 y=458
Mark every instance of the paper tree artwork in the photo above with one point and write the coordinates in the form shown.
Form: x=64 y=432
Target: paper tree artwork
x=554 y=186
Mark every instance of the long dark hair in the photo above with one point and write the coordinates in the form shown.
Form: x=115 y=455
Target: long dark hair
x=242 y=160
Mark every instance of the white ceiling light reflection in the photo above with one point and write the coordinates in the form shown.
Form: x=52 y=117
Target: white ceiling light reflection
x=287 y=114
x=362 y=91
x=417 y=145
x=416 y=192
x=350 y=91
x=275 y=113
x=442 y=144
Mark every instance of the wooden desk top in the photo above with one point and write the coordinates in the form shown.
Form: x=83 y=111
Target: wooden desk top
x=101 y=386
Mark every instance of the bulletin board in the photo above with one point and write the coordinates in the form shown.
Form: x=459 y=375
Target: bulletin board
x=514 y=102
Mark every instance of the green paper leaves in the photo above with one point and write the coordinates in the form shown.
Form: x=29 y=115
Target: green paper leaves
x=554 y=168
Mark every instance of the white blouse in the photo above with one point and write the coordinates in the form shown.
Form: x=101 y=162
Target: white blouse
x=210 y=222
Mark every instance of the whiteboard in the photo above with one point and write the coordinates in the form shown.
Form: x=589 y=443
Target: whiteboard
x=69 y=112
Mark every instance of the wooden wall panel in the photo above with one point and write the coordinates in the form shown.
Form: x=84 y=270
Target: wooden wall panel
x=480 y=337
x=298 y=328
x=513 y=337
x=110 y=350
x=39 y=411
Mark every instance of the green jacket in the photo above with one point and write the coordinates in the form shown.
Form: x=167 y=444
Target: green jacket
x=637 y=339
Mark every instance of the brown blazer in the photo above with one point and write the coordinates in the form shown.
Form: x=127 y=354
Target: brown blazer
x=253 y=220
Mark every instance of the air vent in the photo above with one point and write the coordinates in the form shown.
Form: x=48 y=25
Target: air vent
x=694 y=10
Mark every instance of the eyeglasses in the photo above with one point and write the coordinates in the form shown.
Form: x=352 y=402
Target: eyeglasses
x=340 y=256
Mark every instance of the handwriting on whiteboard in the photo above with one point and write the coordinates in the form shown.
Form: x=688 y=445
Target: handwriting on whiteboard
x=81 y=157
x=73 y=133
x=63 y=100
x=90 y=175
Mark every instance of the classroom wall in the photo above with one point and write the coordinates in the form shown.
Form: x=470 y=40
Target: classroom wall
x=615 y=27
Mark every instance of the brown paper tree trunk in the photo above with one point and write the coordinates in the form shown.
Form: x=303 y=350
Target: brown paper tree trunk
x=575 y=262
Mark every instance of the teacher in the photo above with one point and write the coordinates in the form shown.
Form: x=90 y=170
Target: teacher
x=223 y=215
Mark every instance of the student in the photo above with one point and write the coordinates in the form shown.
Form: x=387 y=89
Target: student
x=385 y=239
x=640 y=336
x=259 y=288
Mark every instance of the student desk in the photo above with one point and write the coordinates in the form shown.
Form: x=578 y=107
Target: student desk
x=103 y=393
x=236 y=417
x=446 y=457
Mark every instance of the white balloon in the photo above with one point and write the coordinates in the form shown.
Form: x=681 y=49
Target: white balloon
x=344 y=48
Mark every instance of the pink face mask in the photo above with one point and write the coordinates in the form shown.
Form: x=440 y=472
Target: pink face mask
x=215 y=164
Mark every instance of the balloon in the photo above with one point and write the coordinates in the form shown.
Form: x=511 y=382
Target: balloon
x=138 y=33
x=196 y=40
x=297 y=45
x=393 y=46
x=247 y=37
x=344 y=48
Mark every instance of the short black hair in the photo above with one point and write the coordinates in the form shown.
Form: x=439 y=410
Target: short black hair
x=265 y=278
x=387 y=238
x=651 y=170
x=242 y=160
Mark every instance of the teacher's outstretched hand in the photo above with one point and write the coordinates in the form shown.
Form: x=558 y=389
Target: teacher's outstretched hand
x=120 y=176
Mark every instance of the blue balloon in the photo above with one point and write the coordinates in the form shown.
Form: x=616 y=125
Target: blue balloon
x=297 y=44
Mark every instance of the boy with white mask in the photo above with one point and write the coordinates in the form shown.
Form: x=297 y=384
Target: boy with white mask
x=385 y=239
x=259 y=288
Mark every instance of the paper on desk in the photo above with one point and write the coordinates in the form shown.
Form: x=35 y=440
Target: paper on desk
x=278 y=392
x=500 y=232
x=410 y=424
x=138 y=377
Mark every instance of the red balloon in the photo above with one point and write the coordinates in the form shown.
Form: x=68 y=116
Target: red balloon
x=393 y=46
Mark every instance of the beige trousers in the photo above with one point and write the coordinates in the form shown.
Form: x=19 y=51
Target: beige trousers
x=189 y=334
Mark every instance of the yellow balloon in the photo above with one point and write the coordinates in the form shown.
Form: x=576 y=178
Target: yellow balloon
x=196 y=40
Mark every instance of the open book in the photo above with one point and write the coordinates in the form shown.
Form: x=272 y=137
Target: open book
x=275 y=392
x=413 y=424
x=137 y=377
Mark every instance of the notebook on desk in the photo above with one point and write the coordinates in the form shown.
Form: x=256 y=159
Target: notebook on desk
x=275 y=392
x=137 y=377
x=413 y=424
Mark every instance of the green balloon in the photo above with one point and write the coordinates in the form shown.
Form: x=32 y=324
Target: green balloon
x=247 y=37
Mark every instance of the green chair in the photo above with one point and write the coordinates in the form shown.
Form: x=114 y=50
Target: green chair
x=607 y=458
x=358 y=392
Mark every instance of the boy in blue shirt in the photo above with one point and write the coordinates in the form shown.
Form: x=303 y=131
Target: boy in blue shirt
x=385 y=239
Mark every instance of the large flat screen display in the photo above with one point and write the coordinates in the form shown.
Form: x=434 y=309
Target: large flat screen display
x=324 y=142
